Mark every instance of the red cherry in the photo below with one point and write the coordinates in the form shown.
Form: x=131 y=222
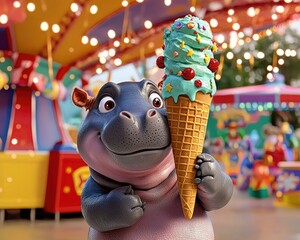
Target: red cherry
x=188 y=73
x=198 y=83
x=213 y=65
x=160 y=62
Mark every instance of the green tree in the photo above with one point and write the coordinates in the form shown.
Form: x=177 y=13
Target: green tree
x=254 y=71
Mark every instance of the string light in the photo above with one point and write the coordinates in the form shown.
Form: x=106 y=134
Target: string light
x=102 y=60
x=168 y=2
x=99 y=70
x=111 y=34
x=44 y=26
x=274 y=16
x=229 y=55
x=260 y=55
x=14 y=141
x=280 y=61
x=255 y=37
x=85 y=40
x=74 y=7
x=111 y=52
x=287 y=53
x=31 y=7
x=236 y=26
x=268 y=32
x=148 y=24
x=247 y=55
x=220 y=38
x=213 y=22
x=280 y=9
x=269 y=67
x=93 y=9
x=93 y=41
x=17 y=4
x=3 y=19
x=117 y=43
x=230 y=12
x=124 y=3
x=251 y=12
x=118 y=62
x=280 y=52
x=55 y=28
x=293 y=53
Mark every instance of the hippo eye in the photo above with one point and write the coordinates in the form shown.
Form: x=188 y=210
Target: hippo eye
x=106 y=104
x=155 y=100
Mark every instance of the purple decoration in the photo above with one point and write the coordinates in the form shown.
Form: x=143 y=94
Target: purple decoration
x=257 y=98
x=178 y=25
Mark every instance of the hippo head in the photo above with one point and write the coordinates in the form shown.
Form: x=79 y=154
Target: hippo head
x=126 y=127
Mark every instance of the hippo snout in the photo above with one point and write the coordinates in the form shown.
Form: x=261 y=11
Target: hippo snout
x=130 y=132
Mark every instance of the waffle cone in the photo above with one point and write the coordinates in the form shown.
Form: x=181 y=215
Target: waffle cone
x=187 y=122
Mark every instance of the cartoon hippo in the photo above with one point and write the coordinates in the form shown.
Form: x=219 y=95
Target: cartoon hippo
x=132 y=191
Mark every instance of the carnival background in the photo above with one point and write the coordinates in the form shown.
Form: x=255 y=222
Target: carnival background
x=48 y=47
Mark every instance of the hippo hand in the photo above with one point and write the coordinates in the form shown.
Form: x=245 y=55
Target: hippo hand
x=122 y=207
x=105 y=211
x=214 y=186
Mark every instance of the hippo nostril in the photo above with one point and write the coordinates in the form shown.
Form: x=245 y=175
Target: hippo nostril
x=151 y=113
x=126 y=114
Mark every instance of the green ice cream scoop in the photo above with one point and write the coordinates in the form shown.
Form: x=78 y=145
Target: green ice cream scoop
x=188 y=59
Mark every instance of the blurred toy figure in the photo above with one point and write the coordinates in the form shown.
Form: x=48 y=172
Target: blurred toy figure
x=273 y=152
x=260 y=181
x=290 y=142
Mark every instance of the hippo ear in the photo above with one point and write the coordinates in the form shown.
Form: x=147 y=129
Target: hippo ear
x=81 y=98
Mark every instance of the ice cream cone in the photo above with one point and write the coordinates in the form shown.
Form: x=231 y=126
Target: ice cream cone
x=188 y=87
x=187 y=122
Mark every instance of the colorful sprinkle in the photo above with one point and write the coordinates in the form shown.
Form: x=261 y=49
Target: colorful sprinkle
x=179 y=73
x=169 y=87
x=214 y=47
x=206 y=58
x=178 y=25
x=198 y=38
x=198 y=83
x=190 y=53
x=175 y=54
x=182 y=44
x=204 y=28
x=190 y=24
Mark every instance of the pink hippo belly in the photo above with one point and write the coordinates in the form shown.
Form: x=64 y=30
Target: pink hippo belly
x=163 y=220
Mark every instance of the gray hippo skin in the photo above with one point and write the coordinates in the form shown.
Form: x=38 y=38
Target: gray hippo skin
x=132 y=191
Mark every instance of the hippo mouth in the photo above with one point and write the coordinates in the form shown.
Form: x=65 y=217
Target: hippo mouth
x=140 y=152
x=140 y=159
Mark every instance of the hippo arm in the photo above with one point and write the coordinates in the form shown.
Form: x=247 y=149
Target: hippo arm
x=107 y=210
